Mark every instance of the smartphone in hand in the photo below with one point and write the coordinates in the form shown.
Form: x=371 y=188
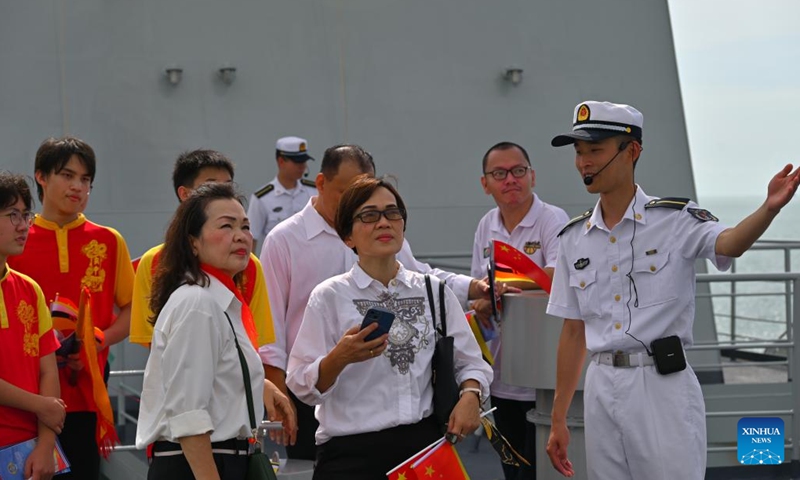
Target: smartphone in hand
x=383 y=317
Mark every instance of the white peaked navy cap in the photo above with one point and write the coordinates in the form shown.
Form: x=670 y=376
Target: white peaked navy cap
x=593 y=121
x=293 y=148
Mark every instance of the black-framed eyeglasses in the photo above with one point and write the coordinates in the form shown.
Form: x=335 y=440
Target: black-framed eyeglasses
x=502 y=173
x=372 y=216
x=18 y=217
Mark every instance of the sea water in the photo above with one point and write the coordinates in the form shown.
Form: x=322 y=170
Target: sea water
x=762 y=313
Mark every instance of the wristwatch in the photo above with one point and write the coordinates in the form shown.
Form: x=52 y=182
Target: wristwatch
x=476 y=391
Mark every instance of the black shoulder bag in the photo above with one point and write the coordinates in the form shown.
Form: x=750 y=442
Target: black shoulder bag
x=445 y=388
x=258 y=465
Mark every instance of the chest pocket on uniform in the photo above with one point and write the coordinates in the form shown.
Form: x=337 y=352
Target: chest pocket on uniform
x=584 y=284
x=655 y=283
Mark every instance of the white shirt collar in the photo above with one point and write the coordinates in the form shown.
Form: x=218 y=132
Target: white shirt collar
x=221 y=294
x=527 y=221
x=313 y=221
x=363 y=280
x=281 y=190
x=639 y=199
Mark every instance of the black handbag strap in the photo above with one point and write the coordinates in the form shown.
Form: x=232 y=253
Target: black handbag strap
x=246 y=376
x=442 y=312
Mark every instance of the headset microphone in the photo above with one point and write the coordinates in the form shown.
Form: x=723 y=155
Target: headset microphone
x=588 y=179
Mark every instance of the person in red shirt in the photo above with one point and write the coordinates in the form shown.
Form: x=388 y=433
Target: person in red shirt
x=30 y=406
x=67 y=255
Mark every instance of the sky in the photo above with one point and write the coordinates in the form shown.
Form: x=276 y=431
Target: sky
x=739 y=67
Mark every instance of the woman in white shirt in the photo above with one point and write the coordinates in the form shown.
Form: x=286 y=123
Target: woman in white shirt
x=193 y=405
x=374 y=397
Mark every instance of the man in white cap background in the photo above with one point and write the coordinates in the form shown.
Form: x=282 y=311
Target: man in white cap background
x=286 y=194
x=530 y=225
x=625 y=284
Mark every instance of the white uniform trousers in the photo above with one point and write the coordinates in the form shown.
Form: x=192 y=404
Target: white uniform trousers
x=643 y=425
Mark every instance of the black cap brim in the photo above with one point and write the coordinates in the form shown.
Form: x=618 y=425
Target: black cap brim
x=587 y=135
x=297 y=157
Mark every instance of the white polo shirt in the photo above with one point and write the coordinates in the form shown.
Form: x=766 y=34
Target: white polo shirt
x=301 y=253
x=395 y=387
x=537 y=236
x=193 y=380
x=272 y=204
x=591 y=280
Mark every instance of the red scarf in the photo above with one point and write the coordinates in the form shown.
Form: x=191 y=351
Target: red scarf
x=247 y=315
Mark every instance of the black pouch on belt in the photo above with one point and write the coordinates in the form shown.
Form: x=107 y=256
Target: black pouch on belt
x=668 y=355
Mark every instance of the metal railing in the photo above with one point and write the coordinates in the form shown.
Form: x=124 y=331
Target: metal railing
x=791 y=286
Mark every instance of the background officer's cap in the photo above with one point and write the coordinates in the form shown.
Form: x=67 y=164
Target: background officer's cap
x=593 y=121
x=293 y=148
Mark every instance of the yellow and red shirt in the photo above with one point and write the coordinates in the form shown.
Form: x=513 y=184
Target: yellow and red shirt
x=62 y=260
x=254 y=292
x=26 y=335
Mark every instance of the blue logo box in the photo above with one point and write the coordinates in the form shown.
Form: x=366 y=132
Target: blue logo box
x=760 y=441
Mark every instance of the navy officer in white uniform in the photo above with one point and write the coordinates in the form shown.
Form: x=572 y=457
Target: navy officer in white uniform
x=286 y=194
x=625 y=284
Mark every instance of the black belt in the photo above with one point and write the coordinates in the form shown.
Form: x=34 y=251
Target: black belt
x=234 y=446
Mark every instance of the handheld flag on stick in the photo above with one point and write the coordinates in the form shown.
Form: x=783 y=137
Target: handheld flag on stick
x=482 y=336
x=512 y=265
x=82 y=337
x=441 y=462
x=508 y=455
x=404 y=471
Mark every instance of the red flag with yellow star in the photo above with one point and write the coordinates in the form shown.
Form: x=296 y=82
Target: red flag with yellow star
x=441 y=462
x=404 y=471
x=512 y=265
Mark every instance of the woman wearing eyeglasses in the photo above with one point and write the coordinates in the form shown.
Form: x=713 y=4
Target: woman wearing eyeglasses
x=374 y=397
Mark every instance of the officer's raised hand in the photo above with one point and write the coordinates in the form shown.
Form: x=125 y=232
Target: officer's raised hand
x=781 y=188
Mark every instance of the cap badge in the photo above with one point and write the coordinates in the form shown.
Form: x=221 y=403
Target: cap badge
x=628 y=129
x=302 y=147
x=583 y=113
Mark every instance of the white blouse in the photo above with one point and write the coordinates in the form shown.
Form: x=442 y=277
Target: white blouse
x=193 y=381
x=395 y=387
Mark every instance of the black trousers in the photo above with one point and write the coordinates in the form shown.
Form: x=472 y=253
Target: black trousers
x=176 y=467
x=79 y=444
x=521 y=434
x=368 y=456
x=304 y=447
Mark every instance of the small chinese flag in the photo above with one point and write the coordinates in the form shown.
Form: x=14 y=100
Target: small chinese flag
x=404 y=471
x=511 y=264
x=442 y=462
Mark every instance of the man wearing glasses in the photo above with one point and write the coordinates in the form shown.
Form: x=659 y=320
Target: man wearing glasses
x=29 y=395
x=305 y=250
x=531 y=226
x=66 y=253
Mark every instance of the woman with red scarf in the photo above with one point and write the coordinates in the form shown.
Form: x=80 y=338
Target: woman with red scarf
x=193 y=405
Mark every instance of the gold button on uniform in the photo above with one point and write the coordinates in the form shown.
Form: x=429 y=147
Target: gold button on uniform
x=638 y=216
x=588 y=225
x=617 y=326
x=613 y=268
x=652 y=268
x=617 y=298
x=613 y=239
x=583 y=284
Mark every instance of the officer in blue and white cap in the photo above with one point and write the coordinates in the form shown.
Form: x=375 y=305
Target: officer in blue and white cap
x=625 y=285
x=286 y=194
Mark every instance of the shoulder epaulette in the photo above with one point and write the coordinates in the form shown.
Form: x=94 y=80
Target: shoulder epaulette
x=578 y=219
x=265 y=190
x=676 y=203
x=308 y=183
